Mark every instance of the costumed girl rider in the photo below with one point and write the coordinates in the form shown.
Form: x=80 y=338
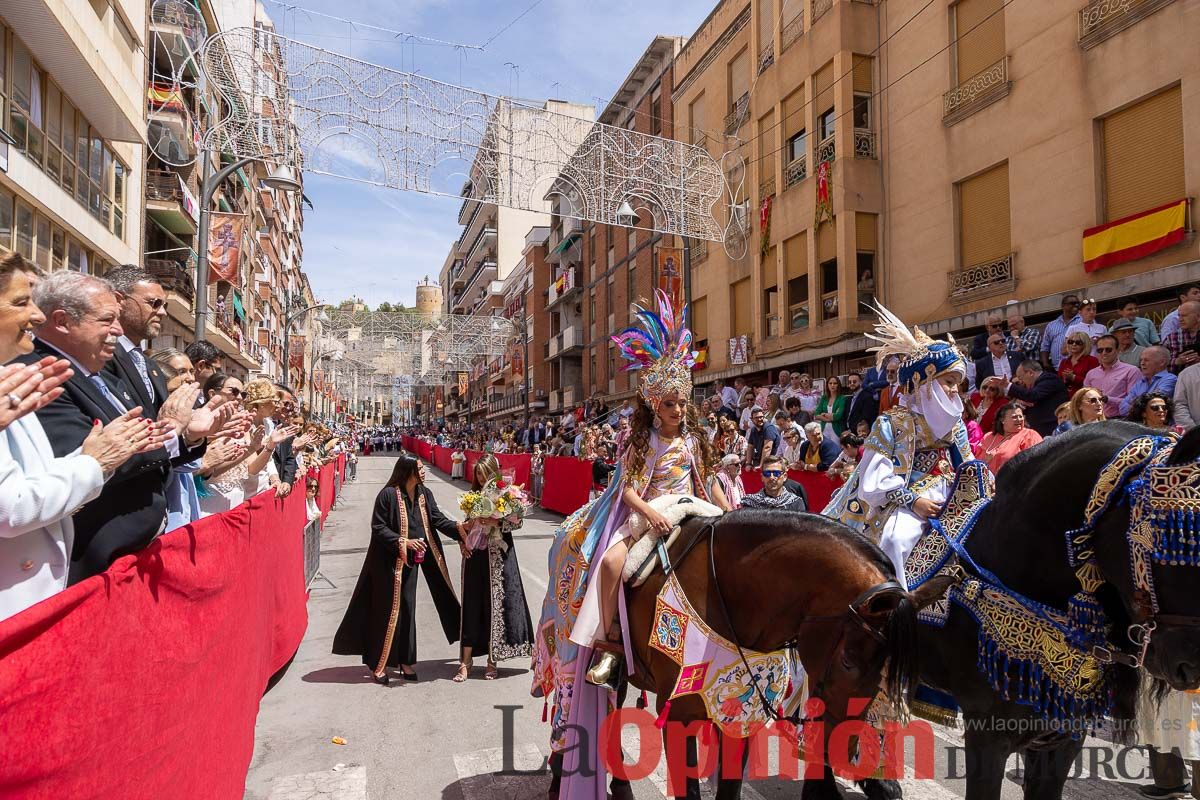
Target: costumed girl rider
x=911 y=455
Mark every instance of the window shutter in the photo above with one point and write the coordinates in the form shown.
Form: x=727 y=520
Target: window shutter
x=766 y=24
x=766 y=147
x=739 y=76
x=698 y=319
x=740 y=319
x=793 y=114
x=864 y=232
x=862 y=74
x=827 y=242
x=983 y=217
x=696 y=119
x=791 y=10
x=823 y=88
x=979 y=30
x=795 y=256
x=1143 y=156
x=770 y=270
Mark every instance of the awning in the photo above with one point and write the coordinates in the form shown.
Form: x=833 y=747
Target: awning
x=567 y=241
x=238 y=309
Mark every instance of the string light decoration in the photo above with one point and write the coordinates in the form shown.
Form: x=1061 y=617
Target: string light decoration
x=285 y=101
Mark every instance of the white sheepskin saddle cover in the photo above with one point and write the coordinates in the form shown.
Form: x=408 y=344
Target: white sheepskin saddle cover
x=643 y=555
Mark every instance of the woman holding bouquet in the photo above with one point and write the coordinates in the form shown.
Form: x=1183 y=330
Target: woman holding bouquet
x=495 y=617
x=381 y=622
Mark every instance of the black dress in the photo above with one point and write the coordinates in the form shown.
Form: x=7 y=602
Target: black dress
x=382 y=611
x=495 y=618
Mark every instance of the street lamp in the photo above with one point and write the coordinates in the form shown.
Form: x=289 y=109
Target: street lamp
x=626 y=215
x=323 y=318
x=281 y=177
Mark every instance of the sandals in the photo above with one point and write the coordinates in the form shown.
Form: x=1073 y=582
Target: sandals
x=461 y=675
x=491 y=673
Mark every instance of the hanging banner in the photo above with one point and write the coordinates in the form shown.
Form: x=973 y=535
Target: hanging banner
x=739 y=347
x=224 y=246
x=463 y=380
x=516 y=357
x=764 y=226
x=824 y=211
x=670 y=273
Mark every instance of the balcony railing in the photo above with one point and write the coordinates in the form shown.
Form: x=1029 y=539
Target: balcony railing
x=983 y=280
x=864 y=143
x=163 y=185
x=484 y=233
x=766 y=58
x=737 y=115
x=820 y=8
x=699 y=251
x=569 y=284
x=173 y=277
x=792 y=31
x=767 y=188
x=976 y=92
x=1106 y=18
x=826 y=151
x=795 y=172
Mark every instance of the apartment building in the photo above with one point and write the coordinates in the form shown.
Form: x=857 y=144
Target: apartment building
x=599 y=270
x=72 y=123
x=942 y=159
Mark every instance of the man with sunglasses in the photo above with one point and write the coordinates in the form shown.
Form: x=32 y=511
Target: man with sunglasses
x=1114 y=378
x=143 y=309
x=1055 y=335
x=774 y=494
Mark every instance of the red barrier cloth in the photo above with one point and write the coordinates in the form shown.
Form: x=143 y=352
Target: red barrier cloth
x=441 y=459
x=469 y=465
x=567 y=484
x=819 y=486
x=325 y=495
x=145 y=681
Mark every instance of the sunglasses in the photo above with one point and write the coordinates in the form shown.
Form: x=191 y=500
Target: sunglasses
x=772 y=473
x=1094 y=399
x=1106 y=349
x=156 y=303
x=1151 y=407
x=235 y=393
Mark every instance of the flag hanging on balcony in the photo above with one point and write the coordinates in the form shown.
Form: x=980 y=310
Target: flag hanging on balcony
x=824 y=210
x=764 y=226
x=224 y=246
x=1135 y=236
x=670 y=274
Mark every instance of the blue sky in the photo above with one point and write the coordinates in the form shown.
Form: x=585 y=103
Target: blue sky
x=378 y=243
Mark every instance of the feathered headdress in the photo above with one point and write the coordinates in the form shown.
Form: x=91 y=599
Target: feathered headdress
x=662 y=347
x=921 y=358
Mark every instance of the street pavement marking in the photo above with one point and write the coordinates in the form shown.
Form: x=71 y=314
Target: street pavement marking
x=348 y=783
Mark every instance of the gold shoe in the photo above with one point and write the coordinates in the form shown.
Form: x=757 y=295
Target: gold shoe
x=606 y=665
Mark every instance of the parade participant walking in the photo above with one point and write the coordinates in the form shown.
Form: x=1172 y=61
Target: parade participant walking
x=381 y=621
x=913 y=450
x=495 y=616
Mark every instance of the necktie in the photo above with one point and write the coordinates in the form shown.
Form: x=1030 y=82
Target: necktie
x=139 y=361
x=108 y=395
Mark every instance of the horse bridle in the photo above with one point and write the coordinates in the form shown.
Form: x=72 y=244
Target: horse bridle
x=851 y=615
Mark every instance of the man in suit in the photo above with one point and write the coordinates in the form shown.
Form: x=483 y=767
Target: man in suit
x=1041 y=392
x=889 y=395
x=998 y=362
x=83 y=325
x=143 y=309
x=979 y=346
x=285 y=454
x=863 y=405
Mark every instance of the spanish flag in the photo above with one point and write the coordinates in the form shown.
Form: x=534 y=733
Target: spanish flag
x=1135 y=236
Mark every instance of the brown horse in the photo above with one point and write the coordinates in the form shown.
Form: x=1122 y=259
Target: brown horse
x=770 y=580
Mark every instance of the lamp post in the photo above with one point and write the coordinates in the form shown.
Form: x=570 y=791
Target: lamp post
x=282 y=177
x=287 y=334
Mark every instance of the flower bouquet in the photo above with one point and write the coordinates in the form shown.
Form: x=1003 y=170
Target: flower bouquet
x=497 y=502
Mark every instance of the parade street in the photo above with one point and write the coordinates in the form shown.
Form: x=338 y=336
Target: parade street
x=437 y=739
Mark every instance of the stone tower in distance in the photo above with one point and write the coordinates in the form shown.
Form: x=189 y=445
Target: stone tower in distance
x=429 y=299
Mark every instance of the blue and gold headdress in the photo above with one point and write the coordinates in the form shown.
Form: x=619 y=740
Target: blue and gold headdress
x=921 y=358
x=662 y=347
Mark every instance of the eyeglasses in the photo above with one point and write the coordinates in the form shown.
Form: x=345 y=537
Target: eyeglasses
x=1106 y=349
x=772 y=473
x=1151 y=407
x=1095 y=399
x=235 y=393
x=156 y=303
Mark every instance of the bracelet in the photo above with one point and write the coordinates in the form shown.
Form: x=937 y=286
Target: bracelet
x=902 y=497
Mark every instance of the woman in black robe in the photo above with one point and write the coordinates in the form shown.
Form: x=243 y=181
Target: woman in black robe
x=495 y=616
x=381 y=623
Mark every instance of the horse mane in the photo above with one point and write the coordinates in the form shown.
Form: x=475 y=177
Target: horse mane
x=765 y=518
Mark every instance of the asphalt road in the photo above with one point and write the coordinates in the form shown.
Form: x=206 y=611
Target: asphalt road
x=438 y=739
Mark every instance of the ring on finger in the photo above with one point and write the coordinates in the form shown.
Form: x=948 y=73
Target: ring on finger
x=13 y=400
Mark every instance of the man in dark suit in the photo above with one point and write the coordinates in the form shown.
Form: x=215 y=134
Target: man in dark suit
x=863 y=405
x=998 y=362
x=285 y=454
x=979 y=346
x=1042 y=392
x=143 y=309
x=83 y=325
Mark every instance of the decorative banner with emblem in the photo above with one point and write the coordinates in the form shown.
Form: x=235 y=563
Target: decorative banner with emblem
x=225 y=246
x=669 y=265
x=463 y=382
x=739 y=348
x=764 y=226
x=824 y=210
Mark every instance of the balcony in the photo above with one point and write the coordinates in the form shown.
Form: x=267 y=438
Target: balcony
x=173 y=276
x=458 y=279
x=480 y=270
x=795 y=171
x=555 y=401
x=562 y=241
x=766 y=188
x=178 y=36
x=699 y=253
x=983 y=280
x=820 y=9
x=569 y=341
x=826 y=151
x=485 y=242
x=469 y=207
x=864 y=143
x=975 y=93
x=737 y=115
x=792 y=31
x=170 y=202
x=565 y=286
x=572 y=396
x=170 y=128
x=1103 y=19
x=766 y=58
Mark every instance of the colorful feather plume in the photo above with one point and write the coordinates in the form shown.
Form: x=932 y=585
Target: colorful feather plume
x=662 y=335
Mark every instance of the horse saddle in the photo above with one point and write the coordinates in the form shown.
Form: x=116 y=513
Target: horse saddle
x=649 y=550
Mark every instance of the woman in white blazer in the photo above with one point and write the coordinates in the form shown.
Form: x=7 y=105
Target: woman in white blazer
x=38 y=492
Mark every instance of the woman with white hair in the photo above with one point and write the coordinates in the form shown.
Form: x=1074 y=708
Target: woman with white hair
x=730 y=477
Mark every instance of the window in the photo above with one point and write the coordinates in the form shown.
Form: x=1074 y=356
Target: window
x=862 y=111
x=766 y=149
x=6 y=218
x=828 y=270
x=795 y=265
x=631 y=241
x=983 y=218
x=42 y=249
x=740 y=314
x=862 y=91
x=656 y=121
x=696 y=121
x=1143 y=155
x=739 y=79
x=979 y=37
x=631 y=283
x=827 y=124
x=797 y=145
x=867 y=280
x=823 y=101
x=699 y=319
x=770 y=298
x=24 y=244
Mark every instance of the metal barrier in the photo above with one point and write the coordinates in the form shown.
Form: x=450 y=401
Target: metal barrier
x=312 y=551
